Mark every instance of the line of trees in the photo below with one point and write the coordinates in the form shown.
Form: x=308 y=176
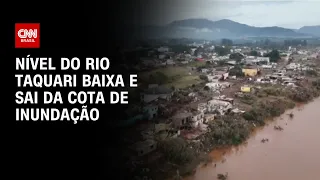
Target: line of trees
x=274 y=55
x=295 y=42
x=226 y=42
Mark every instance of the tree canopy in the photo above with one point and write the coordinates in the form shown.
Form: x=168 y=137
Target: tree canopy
x=295 y=42
x=236 y=56
x=274 y=55
x=226 y=42
x=222 y=51
x=254 y=53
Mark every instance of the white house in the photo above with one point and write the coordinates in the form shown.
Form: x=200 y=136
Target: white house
x=163 y=49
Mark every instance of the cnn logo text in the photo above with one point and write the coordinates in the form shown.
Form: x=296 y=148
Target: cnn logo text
x=27 y=35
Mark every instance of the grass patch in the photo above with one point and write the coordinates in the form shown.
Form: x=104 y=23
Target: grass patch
x=177 y=77
x=185 y=81
x=197 y=64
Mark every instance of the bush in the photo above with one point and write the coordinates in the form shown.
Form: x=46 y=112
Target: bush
x=267 y=109
x=203 y=77
x=303 y=94
x=248 y=99
x=236 y=71
x=206 y=88
x=255 y=115
x=228 y=130
x=316 y=84
x=311 y=73
x=176 y=151
x=273 y=91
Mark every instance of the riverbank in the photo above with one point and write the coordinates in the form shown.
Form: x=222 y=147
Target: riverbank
x=268 y=102
x=290 y=154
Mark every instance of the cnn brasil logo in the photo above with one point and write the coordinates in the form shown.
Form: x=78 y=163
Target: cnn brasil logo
x=27 y=35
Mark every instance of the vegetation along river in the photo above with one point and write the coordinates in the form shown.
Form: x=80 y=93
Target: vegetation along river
x=291 y=154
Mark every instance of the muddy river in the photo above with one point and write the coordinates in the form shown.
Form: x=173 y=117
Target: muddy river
x=291 y=154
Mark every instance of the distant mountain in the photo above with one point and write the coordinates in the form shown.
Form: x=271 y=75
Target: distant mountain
x=312 y=30
x=207 y=29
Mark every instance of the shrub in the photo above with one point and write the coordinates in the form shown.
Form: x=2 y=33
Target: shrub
x=203 y=77
x=302 y=94
x=228 y=130
x=248 y=99
x=316 y=84
x=236 y=71
x=176 y=150
x=311 y=73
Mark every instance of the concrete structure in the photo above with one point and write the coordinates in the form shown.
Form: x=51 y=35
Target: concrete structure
x=250 y=72
x=181 y=119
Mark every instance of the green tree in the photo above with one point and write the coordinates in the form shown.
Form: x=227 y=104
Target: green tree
x=222 y=51
x=236 y=56
x=236 y=71
x=254 y=53
x=226 y=42
x=274 y=55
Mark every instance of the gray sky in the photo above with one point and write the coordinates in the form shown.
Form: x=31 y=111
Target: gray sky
x=288 y=14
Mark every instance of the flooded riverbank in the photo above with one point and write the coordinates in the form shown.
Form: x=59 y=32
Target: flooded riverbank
x=291 y=154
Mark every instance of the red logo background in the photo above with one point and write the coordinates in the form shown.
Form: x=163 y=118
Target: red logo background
x=19 y=44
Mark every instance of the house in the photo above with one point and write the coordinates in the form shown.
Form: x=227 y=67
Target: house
x=218 y=106
x=154 y=93
x=184 y=62
x=263 y=59
x=267 y=66
x=163 y=49
x=169 y=62
x=250 y=72
x=217 y=85
x=192 y=50
x=245 y=89
x=162 y=56
x=204 y=70
x=214 y=78
x=208 y=118
x=232 y=63
x=181 y=119
x=224 y=98
x=196 y=119
x=144 y=147
x=292 y=66
x=150 y=111
x=202 y=107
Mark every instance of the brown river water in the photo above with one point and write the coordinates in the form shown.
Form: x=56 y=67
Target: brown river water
x=291 y=154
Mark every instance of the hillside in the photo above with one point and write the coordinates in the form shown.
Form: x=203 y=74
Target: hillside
x=207 y=29
x=312 y=30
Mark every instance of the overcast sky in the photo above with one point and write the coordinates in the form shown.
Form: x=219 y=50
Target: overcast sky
x=288 y=14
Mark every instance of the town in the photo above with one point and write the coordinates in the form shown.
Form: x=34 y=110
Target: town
x=195 y=97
